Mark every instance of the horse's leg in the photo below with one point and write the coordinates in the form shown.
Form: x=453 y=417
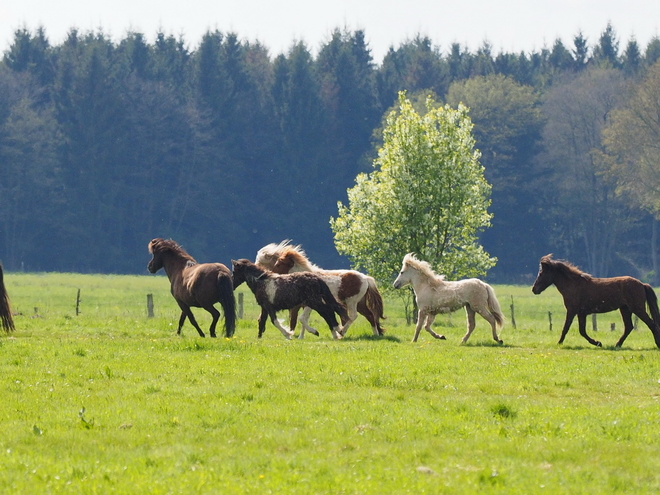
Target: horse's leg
x=582 y=320
x=186 y=312
x=429 y=321
x=293 y=317
x=567 y=324
x=364 y=310
x=182 y=320
x=626 y=315
x=471 y=323
x=488 y=316
x=351 y=306
x=216 y=316
x=421 y=316
x=328 y=314
x=643 y=315
x=262 y=321
x=304 y=323
x=273 y=317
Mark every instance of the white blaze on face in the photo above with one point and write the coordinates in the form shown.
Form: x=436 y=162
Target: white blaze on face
x=271 y=289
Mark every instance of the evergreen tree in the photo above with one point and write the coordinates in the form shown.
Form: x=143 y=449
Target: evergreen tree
x=606 y=53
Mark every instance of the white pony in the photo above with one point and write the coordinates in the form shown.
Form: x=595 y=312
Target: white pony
x=435 y=295
x=357 y=291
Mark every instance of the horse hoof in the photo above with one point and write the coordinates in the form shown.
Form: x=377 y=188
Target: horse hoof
x=441 y=337
x=500 y=342
x=598 y=344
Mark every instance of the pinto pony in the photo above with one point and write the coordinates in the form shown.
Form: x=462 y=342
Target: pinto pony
x=193 y=284
x=357 y=291
x=5 y=309
x=436 y=295
x=584 y=295
x=275 y=292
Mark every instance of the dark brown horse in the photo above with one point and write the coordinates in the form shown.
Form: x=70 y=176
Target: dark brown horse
x=5 y=309
x=584 y=295
x=198 y=285
x=275 y=292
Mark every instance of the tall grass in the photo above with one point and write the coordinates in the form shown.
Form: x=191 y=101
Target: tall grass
x=112 y=401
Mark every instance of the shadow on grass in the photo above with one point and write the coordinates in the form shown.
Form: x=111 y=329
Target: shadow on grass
x=375 y=338
x=488 y=344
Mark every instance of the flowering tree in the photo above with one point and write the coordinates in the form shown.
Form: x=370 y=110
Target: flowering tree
x=426 y=195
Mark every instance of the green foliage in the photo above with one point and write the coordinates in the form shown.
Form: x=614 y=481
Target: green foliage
x=427 y=195
x=144 y=411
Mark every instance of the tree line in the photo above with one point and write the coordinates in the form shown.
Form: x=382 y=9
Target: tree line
x=223 y=147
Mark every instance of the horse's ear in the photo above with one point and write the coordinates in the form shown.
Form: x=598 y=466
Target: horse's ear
x=547 y=259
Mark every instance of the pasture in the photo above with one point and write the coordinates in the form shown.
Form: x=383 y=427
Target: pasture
x=110 y=401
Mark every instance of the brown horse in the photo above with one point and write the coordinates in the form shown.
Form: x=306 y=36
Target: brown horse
x=195 y=285
x=275 y=292
x=584 y=295
x=5 y=309
x=357 y=291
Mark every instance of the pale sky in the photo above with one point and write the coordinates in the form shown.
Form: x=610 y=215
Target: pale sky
x=509 y=25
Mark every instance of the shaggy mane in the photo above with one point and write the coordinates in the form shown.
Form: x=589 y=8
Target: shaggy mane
x=564 y=267
x=267 y=255
x=424 y=268
x=299 y=257
x=161 y=245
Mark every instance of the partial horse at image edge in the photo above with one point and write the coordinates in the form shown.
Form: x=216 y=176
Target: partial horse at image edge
x=435 y=295
x=5 y=308
x=584 y=295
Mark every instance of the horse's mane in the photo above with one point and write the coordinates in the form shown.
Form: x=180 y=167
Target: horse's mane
x=299 y=257
x=160 y=245
x=267 y=255
x=565 y=268
x=424 y=268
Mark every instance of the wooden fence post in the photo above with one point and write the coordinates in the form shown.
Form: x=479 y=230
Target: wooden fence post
x=513 y=314
x=150 y=305
x=550 y=319
x=240 y=305
x=594 y=325
x=78 y=303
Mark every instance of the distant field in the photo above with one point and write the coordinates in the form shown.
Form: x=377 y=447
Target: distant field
x=110 y=401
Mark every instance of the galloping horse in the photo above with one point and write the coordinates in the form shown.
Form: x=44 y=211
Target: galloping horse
x=436 y=295
x=357 y=291
x=275 y=292
x=194 y=284
x=584 y=295
x=5 y=309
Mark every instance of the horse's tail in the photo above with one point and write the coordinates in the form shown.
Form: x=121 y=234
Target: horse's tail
x=652 y=301
x=5 y=309
x=494 y=307
x=228 y=302
x=330 y=300
x=375 y=304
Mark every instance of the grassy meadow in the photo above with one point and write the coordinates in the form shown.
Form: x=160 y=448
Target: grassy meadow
x=110 y=401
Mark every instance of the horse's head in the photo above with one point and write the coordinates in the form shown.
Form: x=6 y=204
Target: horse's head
x=244 y=270
x=404 y=277
x=267 y=255
x=545 y=277
x=284 y=264
x=166 y=251
x=156 y=249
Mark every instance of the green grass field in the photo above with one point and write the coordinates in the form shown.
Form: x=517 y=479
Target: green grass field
x=110 y=401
